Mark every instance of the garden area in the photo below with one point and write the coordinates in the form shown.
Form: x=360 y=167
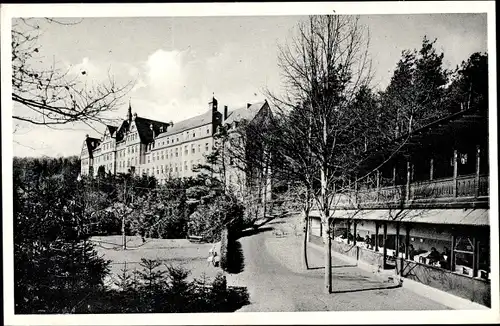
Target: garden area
x=68 y=241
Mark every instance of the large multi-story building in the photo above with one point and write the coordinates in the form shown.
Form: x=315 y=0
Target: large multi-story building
x=164 y=150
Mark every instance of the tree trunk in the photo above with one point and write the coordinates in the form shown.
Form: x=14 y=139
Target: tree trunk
x=328 y=258
x=326 y=218
x=304 y=243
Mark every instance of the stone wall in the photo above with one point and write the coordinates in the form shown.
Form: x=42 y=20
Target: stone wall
x=367 y=256
x=371 y=257
x=316 y=240
x=474 y=289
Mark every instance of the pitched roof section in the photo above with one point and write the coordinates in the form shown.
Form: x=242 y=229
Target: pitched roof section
x=112 y=130
x=244 y=113
x=144 y=128
x=120 y=134
x=197 y=121
x=92 y=144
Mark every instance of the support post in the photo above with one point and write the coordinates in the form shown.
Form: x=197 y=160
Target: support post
x=408 y=179
x=452 y=252
x=478 y=161
x=385 y=245
x=407 y=242
x=348 y=231
x=378 y=184
x=397 y=239
x=431 y=172
x=394 y=175
x=356 y=189
x=355 y=231
x=376 y=236
x=474 y=256
x=455 y=173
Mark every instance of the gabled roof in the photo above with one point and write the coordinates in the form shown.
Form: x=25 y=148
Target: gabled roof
x=190 y=123
x=144 y=128
x=112 y=129
x=244 y=113
x=122 y=130
x=92 y=143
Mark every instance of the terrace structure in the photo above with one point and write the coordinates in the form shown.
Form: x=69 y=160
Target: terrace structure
x=423 y=208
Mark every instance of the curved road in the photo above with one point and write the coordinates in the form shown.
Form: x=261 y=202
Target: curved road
x=276 y=281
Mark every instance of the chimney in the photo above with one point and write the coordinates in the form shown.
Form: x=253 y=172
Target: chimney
x=249 y=105
x=152 y=129
x=225 y=112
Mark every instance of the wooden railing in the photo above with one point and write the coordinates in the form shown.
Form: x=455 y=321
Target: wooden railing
x=484 y=185
x=440 y=188
x=465 y=186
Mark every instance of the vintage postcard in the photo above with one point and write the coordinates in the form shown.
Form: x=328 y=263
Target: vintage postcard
x=250 y=163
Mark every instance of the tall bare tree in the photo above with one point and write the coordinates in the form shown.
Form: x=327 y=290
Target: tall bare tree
x=323 y=67
x=50 y=95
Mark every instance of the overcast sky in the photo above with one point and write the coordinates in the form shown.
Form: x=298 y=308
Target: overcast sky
x=179 y=62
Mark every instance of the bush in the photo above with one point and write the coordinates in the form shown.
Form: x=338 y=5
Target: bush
x=54 y=265
x=209 y=219
x=172 y=293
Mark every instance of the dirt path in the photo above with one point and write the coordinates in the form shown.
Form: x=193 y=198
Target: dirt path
x=277 y=282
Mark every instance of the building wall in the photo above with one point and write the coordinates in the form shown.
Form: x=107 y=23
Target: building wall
x=175 y=155
x=85 y=159
x=172 y=155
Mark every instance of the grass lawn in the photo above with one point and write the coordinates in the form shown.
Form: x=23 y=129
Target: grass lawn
x=192 y=256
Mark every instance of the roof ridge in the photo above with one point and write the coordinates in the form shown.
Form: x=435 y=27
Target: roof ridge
x=151 y=120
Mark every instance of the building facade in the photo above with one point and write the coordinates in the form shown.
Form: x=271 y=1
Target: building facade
x=164 y=150
x=423 y=209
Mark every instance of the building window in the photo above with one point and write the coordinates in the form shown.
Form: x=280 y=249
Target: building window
x=194 y=135
x=208 y=131
x=206 y=147
x=193 y=150
x=199 y=148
